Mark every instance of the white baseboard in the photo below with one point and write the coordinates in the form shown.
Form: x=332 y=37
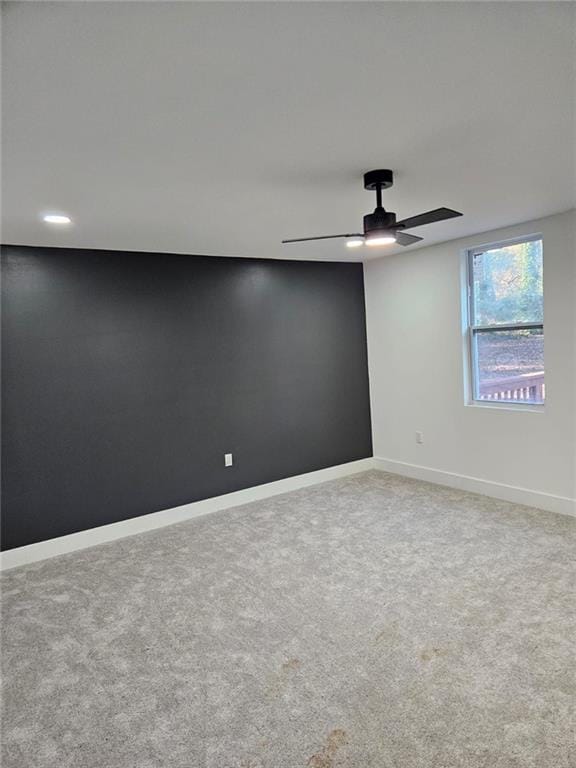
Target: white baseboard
x=561 y=504
x=42 y=550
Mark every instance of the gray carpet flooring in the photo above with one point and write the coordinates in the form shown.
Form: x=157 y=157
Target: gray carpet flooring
x=370 y=621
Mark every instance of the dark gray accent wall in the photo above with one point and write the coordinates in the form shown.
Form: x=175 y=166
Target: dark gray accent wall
x=127 y=376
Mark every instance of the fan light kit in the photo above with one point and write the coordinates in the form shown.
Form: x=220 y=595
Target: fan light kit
x=381 y=227
x=384 y=240
x=56 y=218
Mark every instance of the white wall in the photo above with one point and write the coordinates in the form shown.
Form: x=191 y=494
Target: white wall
x=415 y=346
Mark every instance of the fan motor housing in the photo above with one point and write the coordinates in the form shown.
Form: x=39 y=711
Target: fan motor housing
x=379 y=220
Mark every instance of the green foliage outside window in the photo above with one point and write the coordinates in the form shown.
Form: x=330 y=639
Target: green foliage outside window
x=508 y=284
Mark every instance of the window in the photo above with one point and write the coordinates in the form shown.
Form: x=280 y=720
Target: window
x=506 y=322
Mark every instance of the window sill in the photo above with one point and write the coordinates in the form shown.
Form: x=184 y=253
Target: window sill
x=507 y=406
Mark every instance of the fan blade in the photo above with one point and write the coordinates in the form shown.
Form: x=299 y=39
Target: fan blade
x=403 y=238
x=438 y=214
x=321 y=237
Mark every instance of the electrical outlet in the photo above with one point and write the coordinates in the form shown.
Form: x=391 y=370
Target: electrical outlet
x=419 y=437
x=228 y=460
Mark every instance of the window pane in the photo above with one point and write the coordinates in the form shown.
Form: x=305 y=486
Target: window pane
x=507 y=284
x=509 y=365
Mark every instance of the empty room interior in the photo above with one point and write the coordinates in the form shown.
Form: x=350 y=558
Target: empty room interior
x=288 y=384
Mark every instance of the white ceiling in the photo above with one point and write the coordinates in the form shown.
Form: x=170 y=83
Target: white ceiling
x=221 y=128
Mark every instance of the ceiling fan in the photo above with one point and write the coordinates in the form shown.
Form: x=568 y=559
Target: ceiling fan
x=381 y=227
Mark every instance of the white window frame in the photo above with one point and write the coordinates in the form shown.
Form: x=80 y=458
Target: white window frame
x=472 y=330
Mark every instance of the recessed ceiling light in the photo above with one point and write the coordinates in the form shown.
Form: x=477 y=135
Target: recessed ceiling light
x=56 y=218
x=354 y=242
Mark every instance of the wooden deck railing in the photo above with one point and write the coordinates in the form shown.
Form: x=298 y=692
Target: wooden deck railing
x=529 y=387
